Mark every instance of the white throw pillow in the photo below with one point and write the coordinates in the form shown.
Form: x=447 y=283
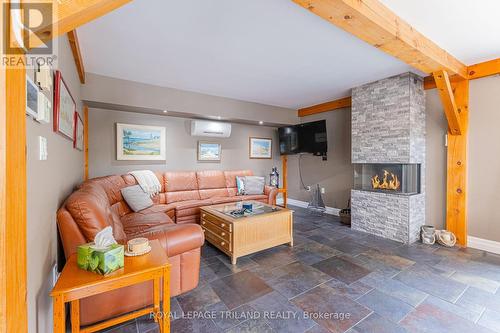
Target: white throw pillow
x=136 y=198
x=254 y=185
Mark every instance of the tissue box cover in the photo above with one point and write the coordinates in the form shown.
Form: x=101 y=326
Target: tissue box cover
x=100 y=261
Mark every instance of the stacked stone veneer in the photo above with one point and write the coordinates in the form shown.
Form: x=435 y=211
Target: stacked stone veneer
x=388 y=126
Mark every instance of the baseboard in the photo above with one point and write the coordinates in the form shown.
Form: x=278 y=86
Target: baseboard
x=483 y=244
x=303 y=204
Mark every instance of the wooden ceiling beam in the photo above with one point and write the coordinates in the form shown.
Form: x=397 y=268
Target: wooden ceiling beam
x=69 y=15
x=377 y=25
x=451 y=111
x=77 y=55
x=484 y=69
x=325 y=107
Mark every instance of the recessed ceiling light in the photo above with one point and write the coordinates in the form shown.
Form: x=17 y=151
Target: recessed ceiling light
x=261 y=122
x=165 y=111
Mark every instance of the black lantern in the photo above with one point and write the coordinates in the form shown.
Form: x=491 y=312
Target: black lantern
x=274 y=178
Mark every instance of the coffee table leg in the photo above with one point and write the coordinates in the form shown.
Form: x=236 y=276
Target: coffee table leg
x=166 y=301
x=75 y=316
x=59 y=315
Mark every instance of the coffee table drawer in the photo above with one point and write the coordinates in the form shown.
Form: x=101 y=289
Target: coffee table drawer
x=224 y=234
x=221 y=224
x=218 y=242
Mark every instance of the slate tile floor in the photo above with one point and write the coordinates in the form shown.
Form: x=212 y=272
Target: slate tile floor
x=377 y=284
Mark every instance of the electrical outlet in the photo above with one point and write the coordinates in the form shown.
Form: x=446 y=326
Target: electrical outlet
x=322 y=190
x=308 y=188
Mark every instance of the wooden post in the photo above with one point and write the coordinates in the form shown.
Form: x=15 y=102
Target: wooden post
x=456 y=181
x=13 y=201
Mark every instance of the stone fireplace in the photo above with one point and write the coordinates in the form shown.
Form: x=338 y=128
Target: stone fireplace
x=388 y=153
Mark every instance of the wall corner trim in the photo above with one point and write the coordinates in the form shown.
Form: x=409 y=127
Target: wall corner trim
x=303 y=204
x=483 y=244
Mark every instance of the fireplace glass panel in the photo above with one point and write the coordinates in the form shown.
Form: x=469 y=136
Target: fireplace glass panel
x=389 y=178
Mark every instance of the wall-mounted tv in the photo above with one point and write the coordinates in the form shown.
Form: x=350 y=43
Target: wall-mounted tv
x=304 y=138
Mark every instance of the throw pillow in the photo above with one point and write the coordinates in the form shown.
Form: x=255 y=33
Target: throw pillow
x=136 y=198
x=254 y=185
x=240 y=185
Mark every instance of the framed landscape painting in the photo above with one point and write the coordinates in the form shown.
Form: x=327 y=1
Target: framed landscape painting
x=139 y=142
x=78 y=137
x=261 y=148
x=209 y=151
x=64 y=108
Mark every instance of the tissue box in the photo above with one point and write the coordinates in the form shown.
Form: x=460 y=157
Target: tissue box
x=100 y=261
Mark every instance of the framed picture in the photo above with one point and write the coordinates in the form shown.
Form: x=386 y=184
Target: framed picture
x=64 y=108
x=139 y=142
x=31 y=98
x=78 y=141
x=209 y=151
x=261 y=148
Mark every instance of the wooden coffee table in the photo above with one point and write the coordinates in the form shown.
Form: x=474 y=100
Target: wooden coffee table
x=75 y=284
x=267 y=227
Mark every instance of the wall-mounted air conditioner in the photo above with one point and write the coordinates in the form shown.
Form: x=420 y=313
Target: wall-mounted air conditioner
x=210 y=128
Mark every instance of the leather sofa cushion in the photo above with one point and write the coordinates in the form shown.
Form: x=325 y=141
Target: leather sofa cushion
x=214 y=192
x=176 y=239
x=90 y=210
x=112 y=185
x=180 y=181
x=135 y=223
x=181 y=186
x=190 y=207
x=159 y=208
x=258 y=197
x=219 y=200
x=210 y=179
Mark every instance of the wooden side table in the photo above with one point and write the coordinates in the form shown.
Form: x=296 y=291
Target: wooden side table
x=75 y=284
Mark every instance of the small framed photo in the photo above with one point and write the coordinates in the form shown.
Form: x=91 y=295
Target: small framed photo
x=209 y=151
x=78 y=141
x=64 y=108
x=31 y=98
x=261 y=148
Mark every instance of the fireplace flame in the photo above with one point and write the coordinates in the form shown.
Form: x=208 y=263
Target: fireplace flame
x=386 y=183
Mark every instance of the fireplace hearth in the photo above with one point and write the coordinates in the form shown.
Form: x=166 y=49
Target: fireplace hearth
x=393 y=178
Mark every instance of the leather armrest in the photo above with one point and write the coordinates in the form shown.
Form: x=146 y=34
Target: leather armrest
x=177 y=238
x=271 y=193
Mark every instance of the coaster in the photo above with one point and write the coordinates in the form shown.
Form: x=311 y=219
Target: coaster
x=135 y=254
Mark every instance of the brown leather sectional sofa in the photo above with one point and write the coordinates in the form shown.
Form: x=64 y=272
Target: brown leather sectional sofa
x=173 y=220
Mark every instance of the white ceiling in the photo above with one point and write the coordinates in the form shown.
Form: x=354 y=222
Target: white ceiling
x=468 y=29
x=271 y=52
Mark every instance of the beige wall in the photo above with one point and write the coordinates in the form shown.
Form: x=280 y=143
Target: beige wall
x=103 y=89
x=484 y=159
x=435 y=159
x=181 y=146
x=335 y=174
x=49 y=182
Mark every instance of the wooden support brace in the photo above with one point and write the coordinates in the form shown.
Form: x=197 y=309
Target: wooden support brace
x=443 y=85
x=456 y=179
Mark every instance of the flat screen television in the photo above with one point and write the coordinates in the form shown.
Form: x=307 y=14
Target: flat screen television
x=304 y=138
